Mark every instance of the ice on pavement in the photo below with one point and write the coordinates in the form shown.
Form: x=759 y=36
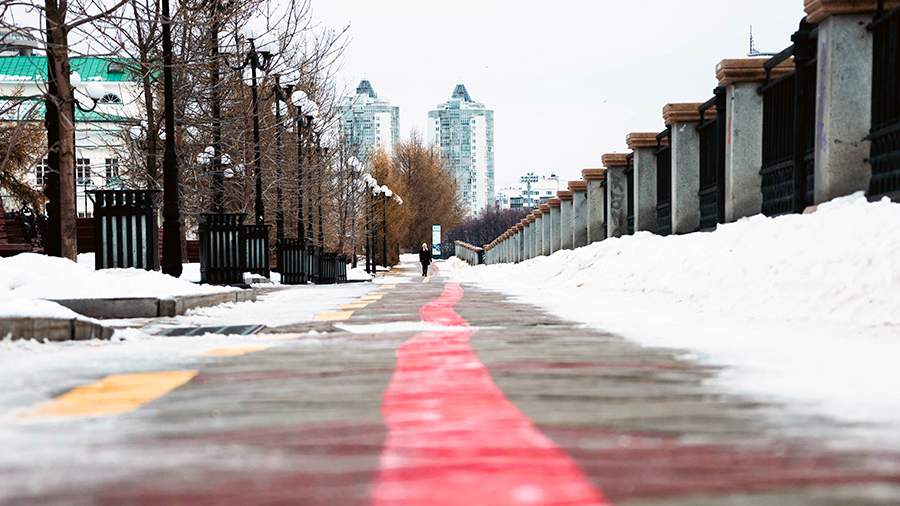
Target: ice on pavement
x=801 y=308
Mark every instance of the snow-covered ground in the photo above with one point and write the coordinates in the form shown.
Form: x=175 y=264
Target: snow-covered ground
x=803 y=309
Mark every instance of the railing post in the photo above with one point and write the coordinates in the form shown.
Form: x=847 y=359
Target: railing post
x=596 y=204
x=538 y=217
x=555 y=225
x=744 y=133
x=566 y=211
x=579 y=213
x=685 y=144
x=546 y=248
x=643 y=145
x=843 y=96
x=616 y=194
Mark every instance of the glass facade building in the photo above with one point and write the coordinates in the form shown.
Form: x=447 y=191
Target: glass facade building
x=463 y=131
x=369 y=123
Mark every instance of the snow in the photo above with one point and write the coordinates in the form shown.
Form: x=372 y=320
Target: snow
x=28 y=308
x=358 y=274
x=35 y=276
x=801 y=309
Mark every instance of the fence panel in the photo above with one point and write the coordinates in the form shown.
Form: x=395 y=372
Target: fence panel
x=885 y=133
x=255 y=249
x=629 y=188
x=663 y=184
x=712 y=161
x=292 y=261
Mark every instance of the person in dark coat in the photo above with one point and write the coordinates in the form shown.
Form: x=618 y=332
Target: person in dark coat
x=425 y=258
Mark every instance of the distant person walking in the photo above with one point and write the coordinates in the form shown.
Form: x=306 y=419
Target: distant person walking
x=425 y=258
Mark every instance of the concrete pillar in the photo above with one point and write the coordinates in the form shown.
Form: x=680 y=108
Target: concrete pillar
x=565 y=219
x=555 y=225
x=579 y=213
x=685 y=141
x=843 y=96
x=520 y=242
x=545 y=230
x=596 y=204
x=644 y=145
x=616 y=194
x=538 y=233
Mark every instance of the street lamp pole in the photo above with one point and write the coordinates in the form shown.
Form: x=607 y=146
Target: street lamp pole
x=323 y=155
x=171 y=260
x=280 y=94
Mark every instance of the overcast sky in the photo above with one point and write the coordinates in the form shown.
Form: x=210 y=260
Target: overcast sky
x=567 y=79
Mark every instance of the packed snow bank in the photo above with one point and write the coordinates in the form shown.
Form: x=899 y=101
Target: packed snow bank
x=358 y=274
x=34 y=276
x=804 y=308
x=17 y=307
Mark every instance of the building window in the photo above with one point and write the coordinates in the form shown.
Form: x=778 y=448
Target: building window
x=40 y=173
x=110 y=98
x=83 y=171
x=112 y=169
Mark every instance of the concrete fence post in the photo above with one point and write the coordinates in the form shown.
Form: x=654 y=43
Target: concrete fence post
x=538 y=232
x=596 y=204
x=565 y=218
x=685 y=142
x=643 y=145
x=520 y=242
x=545 y=230
x=843 y=95
x=555 y=225
x=579 y=213
x=616 y=194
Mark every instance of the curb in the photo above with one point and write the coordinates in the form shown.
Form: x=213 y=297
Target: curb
x=52 y=329
x=151 y=307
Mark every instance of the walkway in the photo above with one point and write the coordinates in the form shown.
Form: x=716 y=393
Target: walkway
x=432 y=393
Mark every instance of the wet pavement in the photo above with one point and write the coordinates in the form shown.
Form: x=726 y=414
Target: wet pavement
x=436 y=394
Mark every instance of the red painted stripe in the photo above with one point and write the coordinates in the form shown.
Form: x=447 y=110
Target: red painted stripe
x=454 y=438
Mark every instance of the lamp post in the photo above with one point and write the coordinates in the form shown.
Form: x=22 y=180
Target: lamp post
x=95 y=92
x=372 y=188
x=171 y=260
x=528 y=179
x=386 y=193
x=306 y=111
x=281 y=94
x=256 y=60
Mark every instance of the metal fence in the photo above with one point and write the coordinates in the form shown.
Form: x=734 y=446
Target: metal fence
x=712 y=161
x=629 y=185
x=220 y=248
x=663 y=184
x=789 y=109
x=126 y=229
x=885 y=133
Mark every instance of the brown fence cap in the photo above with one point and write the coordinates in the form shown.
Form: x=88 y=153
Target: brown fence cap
x=519 y=227
x=749 y=70
x=564 y=195
x=819 y=10
x=554 y=202
x=593 y=174
x=578 y=185
x=613 y=160
x=688 y=112
x=545 y=208
x=637 y=140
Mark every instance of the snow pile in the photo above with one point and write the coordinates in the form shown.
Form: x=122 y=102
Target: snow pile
x=34 y=276
x=29 y=308
x=358 y=274
x=804 y=308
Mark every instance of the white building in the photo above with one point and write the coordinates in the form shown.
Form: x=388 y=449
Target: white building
x=369 y=123
x=463 y=131
x=518 y=196
x=98 y=131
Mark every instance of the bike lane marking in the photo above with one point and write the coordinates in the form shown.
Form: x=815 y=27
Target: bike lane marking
x=454 y=438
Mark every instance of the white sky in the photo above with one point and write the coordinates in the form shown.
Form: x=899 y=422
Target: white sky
x=567 y=79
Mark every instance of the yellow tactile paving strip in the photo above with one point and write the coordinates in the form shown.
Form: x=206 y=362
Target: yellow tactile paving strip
x=234 y=351
x=333 y=316
x=113 y=395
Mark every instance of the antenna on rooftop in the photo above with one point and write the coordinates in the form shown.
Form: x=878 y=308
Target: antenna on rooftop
x=753 y=51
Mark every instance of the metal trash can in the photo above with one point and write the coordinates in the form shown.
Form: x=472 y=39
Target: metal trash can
x=292 y=262
x=221 y=260
x=126 y=229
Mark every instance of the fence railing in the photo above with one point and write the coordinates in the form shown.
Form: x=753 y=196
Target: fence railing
x=220 y=248
x=663 y=183
x=126 y=229
x=885 y=134
x=255 y=249
x=788 y=170
x=473 y=255
x=292 y=261
x=629 y=188
x=711 y=130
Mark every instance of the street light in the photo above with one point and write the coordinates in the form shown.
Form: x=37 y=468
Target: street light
x=306 y=114
x=256 y=60
x=386 y=193
x=281 y=94
x=372 y=189
x=528 y=179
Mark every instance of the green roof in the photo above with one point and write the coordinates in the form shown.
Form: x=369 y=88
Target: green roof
x=34 y=68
